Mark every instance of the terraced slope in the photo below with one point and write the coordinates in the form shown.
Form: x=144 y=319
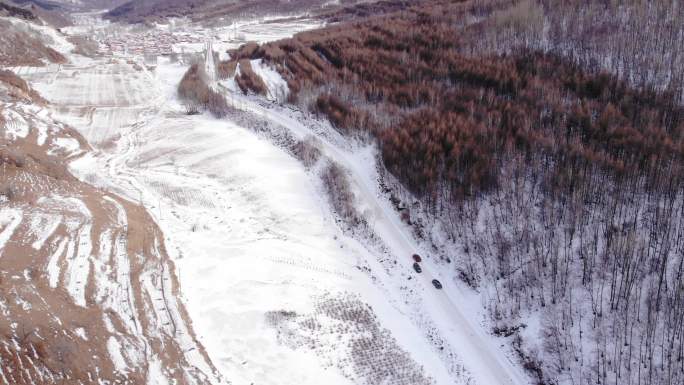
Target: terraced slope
x=87 y=289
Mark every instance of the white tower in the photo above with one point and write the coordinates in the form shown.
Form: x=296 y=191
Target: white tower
x=209 y=64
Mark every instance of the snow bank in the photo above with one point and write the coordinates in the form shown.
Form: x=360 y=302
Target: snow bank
x=63 y=145
x=9 y=221
x=42 y=227
x=53 y=265
x=79 y=266
x=15 y=125
x=114 y=348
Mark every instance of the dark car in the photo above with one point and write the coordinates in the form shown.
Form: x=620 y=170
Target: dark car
x=417 y=268
x=417 y=258
x=436 y=284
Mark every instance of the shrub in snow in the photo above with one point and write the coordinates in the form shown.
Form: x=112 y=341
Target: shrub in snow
x=341 y=197
x=226 y=69
x=217 y=104
x=307 y=151
x=196 y=95
x=193 y=88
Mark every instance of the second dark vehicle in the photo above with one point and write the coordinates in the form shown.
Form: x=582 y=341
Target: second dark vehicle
x=417 y=268
x=436 y=284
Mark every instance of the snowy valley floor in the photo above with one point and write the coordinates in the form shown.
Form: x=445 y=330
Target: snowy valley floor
x=278 y=290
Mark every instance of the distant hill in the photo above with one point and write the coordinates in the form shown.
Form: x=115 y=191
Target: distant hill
x=47 y=11
x=136 y=11
x=12 y=11
x=44 y=4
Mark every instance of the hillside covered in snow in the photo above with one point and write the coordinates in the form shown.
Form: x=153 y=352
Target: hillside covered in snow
x=352 y=192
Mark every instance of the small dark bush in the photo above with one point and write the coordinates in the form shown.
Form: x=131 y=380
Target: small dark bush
x=217 y=104
x=307 y=151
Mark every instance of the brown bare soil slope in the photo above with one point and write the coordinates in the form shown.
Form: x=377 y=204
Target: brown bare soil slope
x=87 y=291
x=17 y=88
x=22 y=47
x=10 y=10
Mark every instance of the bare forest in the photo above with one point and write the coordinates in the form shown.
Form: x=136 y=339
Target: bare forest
x=543 y=139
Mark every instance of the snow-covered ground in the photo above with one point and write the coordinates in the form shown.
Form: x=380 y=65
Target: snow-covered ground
x=452 y=313
x=278 y=289
x=252 y=236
